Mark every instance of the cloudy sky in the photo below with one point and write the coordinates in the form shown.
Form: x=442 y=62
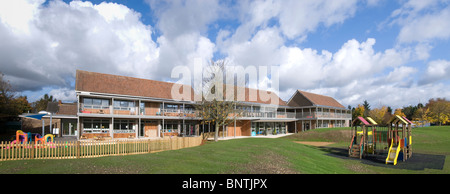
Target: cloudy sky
x=389 y=52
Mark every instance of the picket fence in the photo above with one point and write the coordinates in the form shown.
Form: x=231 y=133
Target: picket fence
x=92 y=148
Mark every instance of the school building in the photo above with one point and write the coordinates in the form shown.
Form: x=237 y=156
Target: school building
x=126 y=107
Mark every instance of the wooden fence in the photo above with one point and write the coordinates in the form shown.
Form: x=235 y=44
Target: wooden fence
x=92 y=148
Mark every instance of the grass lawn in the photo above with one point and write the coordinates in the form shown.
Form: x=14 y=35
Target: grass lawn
x=249 y=155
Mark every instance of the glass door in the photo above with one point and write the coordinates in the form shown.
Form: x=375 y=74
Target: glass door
x=69 y=129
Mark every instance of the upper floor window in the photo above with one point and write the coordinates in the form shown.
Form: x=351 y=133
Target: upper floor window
x=123 y=105
x=95 y=103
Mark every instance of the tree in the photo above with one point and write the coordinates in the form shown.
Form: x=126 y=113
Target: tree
x=359 y=111
x=439 y=110
x=409 y=111
x=366 y=108
x=20 y=105
x=399 y=112
x=377 y=114
x=213 y=109
x=422 y=115
x=42 y=103
x=389 y=110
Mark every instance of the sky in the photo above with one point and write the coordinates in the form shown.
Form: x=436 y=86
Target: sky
x=389 y=52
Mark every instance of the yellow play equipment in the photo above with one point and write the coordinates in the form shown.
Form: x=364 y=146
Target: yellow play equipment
x=400 y=140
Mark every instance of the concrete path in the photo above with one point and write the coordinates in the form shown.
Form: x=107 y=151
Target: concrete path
x=259 y=136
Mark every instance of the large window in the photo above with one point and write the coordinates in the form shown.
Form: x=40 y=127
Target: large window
x=96 y=103
x=170 y=127
x=95 y=125
x=123 y=105
x=172 y=107
x=124 y=126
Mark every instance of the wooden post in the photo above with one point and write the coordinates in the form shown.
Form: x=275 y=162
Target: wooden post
x=78 y=149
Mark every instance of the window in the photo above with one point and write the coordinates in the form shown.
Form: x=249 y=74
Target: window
x=124 y=126
x=123 y=105
x=170 y=127
x=96 y=103
x=95 y=126
x=142 y=108
x=172 y=107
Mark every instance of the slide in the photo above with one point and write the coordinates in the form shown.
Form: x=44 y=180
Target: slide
x=393 y=154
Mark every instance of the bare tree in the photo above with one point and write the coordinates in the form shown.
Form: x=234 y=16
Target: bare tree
x=217 y=107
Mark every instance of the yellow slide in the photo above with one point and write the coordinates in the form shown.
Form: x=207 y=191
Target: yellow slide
x=393 y=154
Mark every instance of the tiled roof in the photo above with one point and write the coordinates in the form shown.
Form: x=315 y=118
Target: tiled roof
x=322 y=100
x=122 y=85
x=67 y=109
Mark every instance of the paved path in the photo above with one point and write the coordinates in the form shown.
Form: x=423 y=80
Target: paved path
x=260 y=136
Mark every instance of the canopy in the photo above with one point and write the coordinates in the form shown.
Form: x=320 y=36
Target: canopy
x=34 y=116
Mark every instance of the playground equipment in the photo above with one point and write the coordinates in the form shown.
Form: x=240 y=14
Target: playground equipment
x=361 y=143
x=22 y=137
x=44 y=139
x=400 y=139
x=367 y=138
x=370 y=139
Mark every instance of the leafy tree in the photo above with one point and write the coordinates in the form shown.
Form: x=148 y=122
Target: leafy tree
x=377 y=114
x=399 y=112
x=359 y=111
x=439 y=110
x=42 y=103
x=21 y=105
x=422 y=115
x=409 y=111
x=389 y=110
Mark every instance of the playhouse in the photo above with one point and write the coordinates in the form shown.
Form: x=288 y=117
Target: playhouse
x=400 y=140
x=369 y=139
x=365 y=137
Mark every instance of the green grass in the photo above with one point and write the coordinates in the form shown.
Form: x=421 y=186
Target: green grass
x=250 y=155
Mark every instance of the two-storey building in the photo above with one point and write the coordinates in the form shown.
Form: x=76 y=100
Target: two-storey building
x=126 y=107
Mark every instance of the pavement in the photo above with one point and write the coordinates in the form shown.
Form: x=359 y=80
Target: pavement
x=259 y=136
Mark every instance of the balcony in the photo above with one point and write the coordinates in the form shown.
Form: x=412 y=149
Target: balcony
x=152 y=110
x=323 y=115
x=268 y=115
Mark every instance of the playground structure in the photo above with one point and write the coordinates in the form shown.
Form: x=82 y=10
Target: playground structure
x=22 y=137
x=400 y=139
x=369 y=139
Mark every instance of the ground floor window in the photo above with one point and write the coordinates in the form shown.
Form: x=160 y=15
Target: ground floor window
x=190 y=129
x=170 y=127
x=266 y=128
x=124 y=126
x=95 y=125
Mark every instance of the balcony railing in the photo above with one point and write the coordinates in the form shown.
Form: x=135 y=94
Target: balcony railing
x=315 y=115
x=135 y=111
x=191 y=113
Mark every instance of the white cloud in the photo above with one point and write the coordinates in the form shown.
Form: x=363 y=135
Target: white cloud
x=436 y=71
x=422 y=21
x=62 y=37
x=64 y=94
x=427 y=27
x=297 y=18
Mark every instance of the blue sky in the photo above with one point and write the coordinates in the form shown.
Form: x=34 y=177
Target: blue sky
x=389 y=52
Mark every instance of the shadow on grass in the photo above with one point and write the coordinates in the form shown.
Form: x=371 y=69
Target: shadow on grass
x=418 y=161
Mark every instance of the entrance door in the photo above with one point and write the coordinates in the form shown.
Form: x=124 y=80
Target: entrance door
x=69 y=128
